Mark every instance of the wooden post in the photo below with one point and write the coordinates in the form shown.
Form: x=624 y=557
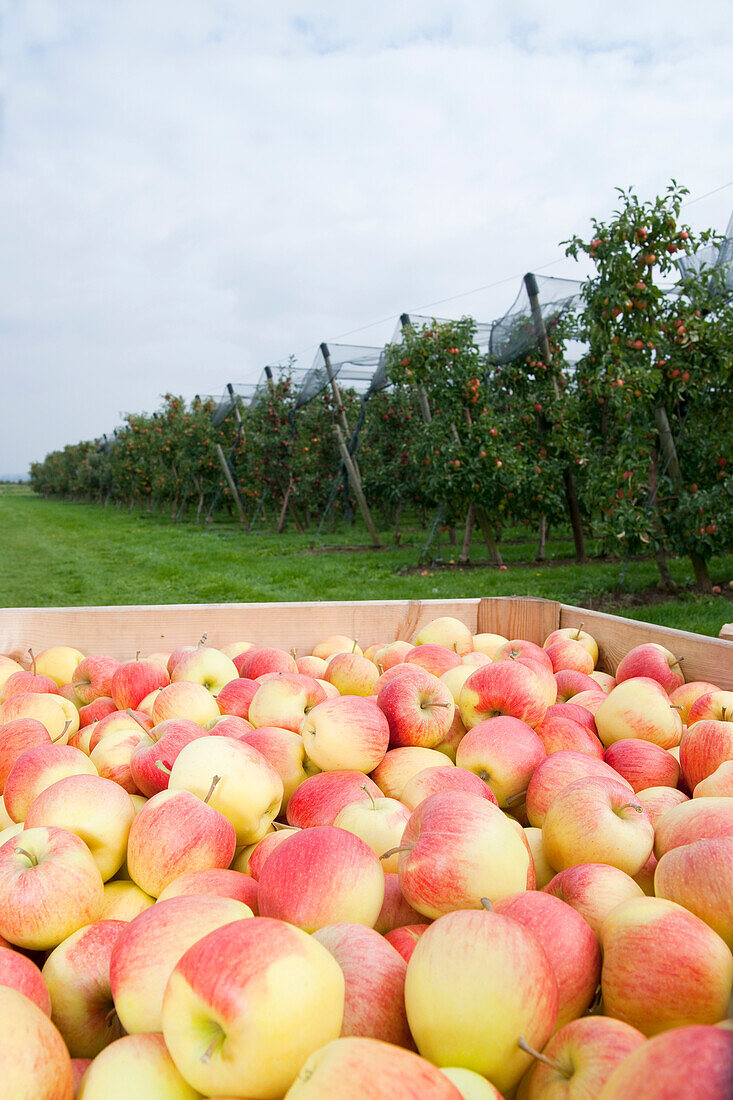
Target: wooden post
x=571 y=488
x=422 y=397
x=356 y=485
x=230 y=483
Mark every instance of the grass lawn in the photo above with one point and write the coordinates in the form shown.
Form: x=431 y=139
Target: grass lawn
x=60 y=554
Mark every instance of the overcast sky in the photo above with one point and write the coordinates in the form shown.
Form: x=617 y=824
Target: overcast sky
x=190 y=189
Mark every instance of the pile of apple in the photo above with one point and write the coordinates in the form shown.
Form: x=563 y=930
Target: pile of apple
x=465 y=866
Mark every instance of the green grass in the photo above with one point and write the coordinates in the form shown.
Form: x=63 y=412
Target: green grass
x=59 y=554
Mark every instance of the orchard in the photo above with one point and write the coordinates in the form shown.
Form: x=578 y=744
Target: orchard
x=631 y=443
x=459 y=866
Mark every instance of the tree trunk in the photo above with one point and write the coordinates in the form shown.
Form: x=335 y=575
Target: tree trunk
x=397 y=532
x=543 y=539
x=576 y=520
x=465 y=553
x=488 y=534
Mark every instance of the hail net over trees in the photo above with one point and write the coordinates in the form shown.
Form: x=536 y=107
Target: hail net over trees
x=514 y=334
x=717 y=260
x=354 y=366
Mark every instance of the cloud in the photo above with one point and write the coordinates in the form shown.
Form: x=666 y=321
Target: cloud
x=194 y=189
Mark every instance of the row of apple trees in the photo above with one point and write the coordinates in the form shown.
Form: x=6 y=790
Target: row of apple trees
x=634 y=441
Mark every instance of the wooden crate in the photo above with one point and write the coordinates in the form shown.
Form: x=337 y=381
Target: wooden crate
x=122 y=631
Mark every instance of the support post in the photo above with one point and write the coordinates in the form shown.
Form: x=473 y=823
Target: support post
x=230 y=482
x=356 y=485
x=571 y=488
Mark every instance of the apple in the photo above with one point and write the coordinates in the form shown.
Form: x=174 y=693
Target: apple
x=160 y=747
x=19 y=972
x=492 y=974
x=431 y=780
x=92 y=677
x=285 y=700
x=149 y=947
x=36 y=1064
x=36 y=769
x=229 y=725
x=17 y=737
x=605 y=681
x=638 y=707
x=703 y=748
x=351 y=674
x=502 y=688
x=404 y=938
x=418 y=708
x=663 y=967
x=654 y=661
x=134 y=680
x=559 y=733
x=346 y=734
x=504 y=752
x=567 y=653
x=558 y=771
x=93 y=712
x=695 y=819
x=688 y=1063
x=446 y=631
x=589 y=700
x=715 y=704
x=449 y=745
x=311 y=666
x=686 y=694
x=235 y=779
x=379 y=822
x=8 y=666
x=96 y=809
x=320 y=798
x=184 y=699
x=52 y=711
x=436 y=659
x=455 y=678
x=236 y=696
x=719 y=783
x=399 y=766
x=458 y=848
x=580 y=1057
x=176 y=832
x=77 y=975
x=391 y=654
x=699 y=876
x=319 y=876
x=123 y=900
x=577 y=635
x=597 y=820
x=206 y=666
x=569 y=942
x=19 y=682
x=49 y=887
x=643 y=764
x=336 y=643
x=396 y=912
x=374 y=973
x=235 y=649
x=113 y=754
x=571 y=683
x=250 y=859
x=58 y=662
x=135 y=1065
x=215 y=882
x=113 y=723
x=488 y=643
x=371 y=1068
x=247 y=1004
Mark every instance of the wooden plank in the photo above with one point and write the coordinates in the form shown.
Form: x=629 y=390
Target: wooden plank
x=703 y=658
x=122 y=631
x=726 y=632
x=518 y=617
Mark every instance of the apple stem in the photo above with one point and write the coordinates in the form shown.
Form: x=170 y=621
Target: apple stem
x=353 y=648
x=137 y=654
x=293 y=653
x=161 y=764
x=723 y=711
x=206 y=1056
x=67 y=723
x=486 y=902
x=393 y=851
x=524 y=1045
x=676 y=706
x=380 y=668
x=371 y=796
x=513 y=799
x=202 y=639
x=214 y=781
x=680 y=660
x=580 y=628
x=31 y=858
x=33 y=661
x=129 y=711
x=424 y=705
x=631 y=806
